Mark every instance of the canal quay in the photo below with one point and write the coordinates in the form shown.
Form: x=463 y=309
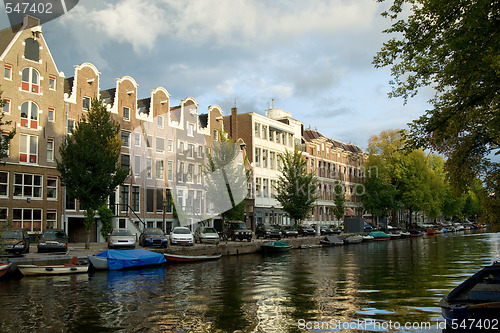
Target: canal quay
x=391 y=286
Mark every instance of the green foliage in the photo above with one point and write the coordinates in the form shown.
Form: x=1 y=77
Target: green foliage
x=452 y=46
x=89 y=165
x=296 y=188
x=379 y=193
x=106 y=217
x=339 y=201
x=5 y=138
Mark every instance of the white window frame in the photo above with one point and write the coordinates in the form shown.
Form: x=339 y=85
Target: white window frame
x=33 y=186
x=124 y=145
x=170 y=146
x=149 y=168
x=170 y=170
x=137 y=165
x=160 y=149
x=9 y=67
x=137 y=139
x=6 y=195
x=51 y=150
x=52 y=111
x=86 y=98
x=126 y=117
x=28 y=148
x=31 y=85
x=52 y=187
x=160 y=169
x=53 y=79
x=8 y=103
x=190 y=129
x=159 y=121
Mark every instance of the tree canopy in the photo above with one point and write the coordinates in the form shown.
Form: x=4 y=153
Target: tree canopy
x=453 y=47
x=296 y=188
x=339 y=201
x=89 y=165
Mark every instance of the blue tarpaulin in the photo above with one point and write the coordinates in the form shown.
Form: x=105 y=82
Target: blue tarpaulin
x=118 y=259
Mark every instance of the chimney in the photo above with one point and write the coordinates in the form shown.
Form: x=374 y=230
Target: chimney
x=233 y=127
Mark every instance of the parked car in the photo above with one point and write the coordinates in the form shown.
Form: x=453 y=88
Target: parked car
x=181 y=236
x=153 y=237
x=288 y=231
x=368 y=228
x=237 y=230
x=305 y=230
x=121 y=238
x=53 y=240
x=16 y=241
x=267 y=231
x=325 y=230
x=206 y=235
x=335 y=230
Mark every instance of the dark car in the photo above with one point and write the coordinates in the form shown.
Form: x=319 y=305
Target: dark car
x=305 y=230
x=325 y=230
x=53 y=240
x=267 y=231
x=288 y=231
x=335 y=230
x=153 y=237
x=16 y=241
x=368 y=228
x=237 y=230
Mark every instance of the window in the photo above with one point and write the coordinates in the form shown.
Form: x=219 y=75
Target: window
x=160 y=145
x=126 y=113
x=27 y=185
x=284 y=138
x=51 y=219
x=27 y=218
x=257 y=130
x=7 y=72
x=137 y=165
x=200 y=174
x=3 y=214
x=159 y=200
x=30 y=80
x=125 y=162
x=200 y=151
x=272 y=159
x=124 y=197
x=271 y=135
x=51 y=187
x=70 y=203
x=50 y=150
x=257 y=157
x=137 y=139
x=150 y=193
x=51 y=116
x=170 y=146
x=159 y=120
x=86 y=103
x=52 y=82
x=264 y=158
x=136 y=198
x=215 y=135
x=4 y=183
x=28 y=149
x=160 y=169
x=180 y=171
x=264 y=132
x=190 y=151
x=29 y=115
x=31 y=49
x=170 y=170
x=278 y=137
x=4 y=139
x=149 y=168
x=190 y=173
x=71 y=125
x=6 y=106
x=190 y=129
x=181 y=147
x=265 y=187
x=149 y=142
x=126 y=139
x=273 y=188
x=258 y=182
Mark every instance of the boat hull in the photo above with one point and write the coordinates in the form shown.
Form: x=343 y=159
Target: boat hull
x=125 y=259
x=34 y=270
x=181 y=258
x=4 y=268
x=275 y=247
x=353 y=240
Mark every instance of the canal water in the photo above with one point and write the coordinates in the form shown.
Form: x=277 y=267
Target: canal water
x=380 y=286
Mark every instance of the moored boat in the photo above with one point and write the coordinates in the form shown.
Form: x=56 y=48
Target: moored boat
x=475 y=301
x=368 y=238
x=430 y=232
x=356 y=239
x=405 y=234
x=275 y=246
x=379 y=235
x=4 y=268
x=32 y=270
x=181 y=258
x=120 y=259
x=331 y=241
x=415 y=233
x=395 y=235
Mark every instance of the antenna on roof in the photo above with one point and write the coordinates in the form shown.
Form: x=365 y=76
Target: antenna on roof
x=235 y=102
x=272 y=101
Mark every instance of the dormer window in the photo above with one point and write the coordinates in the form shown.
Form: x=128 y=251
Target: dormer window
x=30 y=80
x=31 y=50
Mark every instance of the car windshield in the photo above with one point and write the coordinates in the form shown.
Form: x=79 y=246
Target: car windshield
x=240 y=226
x=208 y=231
x=181 y=231
x=124 y=232
x=54 y=234
x=12 y=234
x=288 y=227
x=268 y=226
x=157 y=232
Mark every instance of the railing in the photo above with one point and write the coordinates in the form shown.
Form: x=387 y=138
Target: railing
x=129 y=209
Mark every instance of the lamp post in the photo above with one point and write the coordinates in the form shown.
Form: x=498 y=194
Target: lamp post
x=165 y=203
x=272 y=215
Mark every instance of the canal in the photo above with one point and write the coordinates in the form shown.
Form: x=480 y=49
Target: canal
x=378 y=286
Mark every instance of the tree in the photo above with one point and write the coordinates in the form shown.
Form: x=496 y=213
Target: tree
x=106 y=217
x=89 y=164
x=452 y=46
x=295 y=188
x=339 y=201
x=5 y=138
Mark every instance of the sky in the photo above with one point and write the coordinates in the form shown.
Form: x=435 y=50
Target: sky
x=314 y=58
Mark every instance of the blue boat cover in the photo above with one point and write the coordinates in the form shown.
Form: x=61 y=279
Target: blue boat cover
x=118 y=259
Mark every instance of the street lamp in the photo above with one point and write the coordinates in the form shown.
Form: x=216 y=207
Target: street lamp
x=272 y=215
x=165 y=203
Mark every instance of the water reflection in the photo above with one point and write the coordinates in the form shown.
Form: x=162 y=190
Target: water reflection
x=399 y=281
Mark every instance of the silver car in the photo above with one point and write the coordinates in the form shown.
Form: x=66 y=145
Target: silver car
x=181 y=236
x=121 y=238
x=206 y=235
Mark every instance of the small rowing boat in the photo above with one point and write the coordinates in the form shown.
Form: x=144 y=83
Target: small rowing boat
x=120 y=259
x=32 y=270
x=181 y=258
x=275 y=246
x=4 y=268
x=331 y=241
x=356 y=239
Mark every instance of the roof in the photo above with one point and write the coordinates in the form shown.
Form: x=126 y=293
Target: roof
x=108 y=96
x=7 y=35
x=68 y=85
x=310 y=135
x=144 y=105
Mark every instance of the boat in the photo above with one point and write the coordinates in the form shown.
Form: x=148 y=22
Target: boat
x=309 y=246
x=405 y=234
x=331 y=241
x=356 y=239
x=430 y=232
x=475 y=301
x=181 y=258
x=415 y=233
x=4 y=268
x=395 y=235
x=379 y=235
x=368 y=238
x=120 y=259
x=32 y=270
x=275 y=246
